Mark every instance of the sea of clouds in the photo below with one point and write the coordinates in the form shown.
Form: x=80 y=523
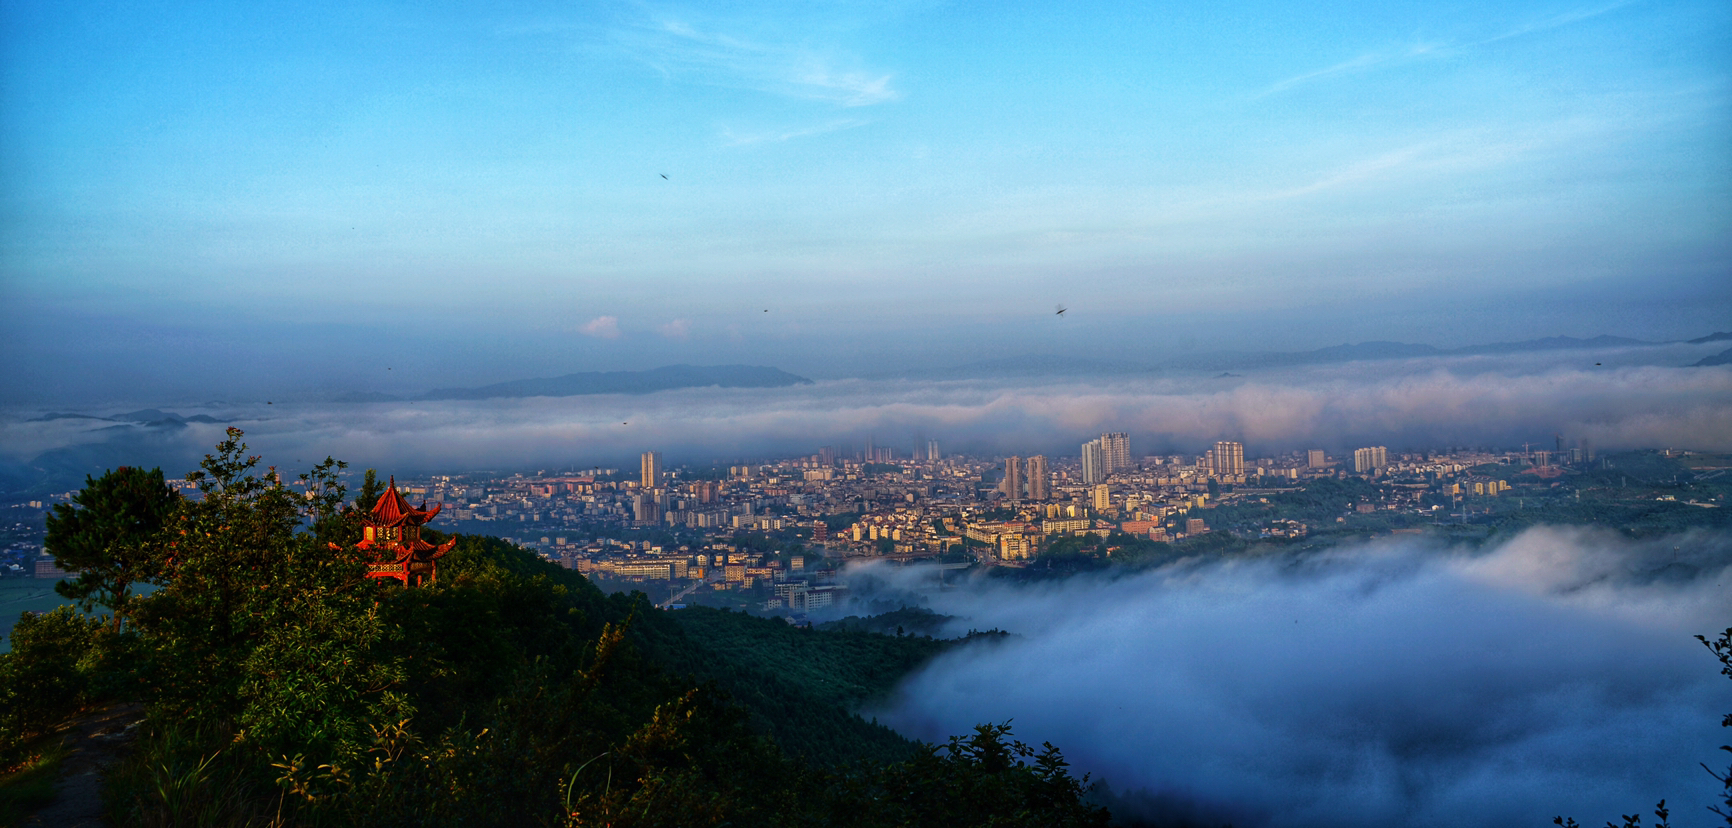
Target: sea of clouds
x=1622 y=402
x=1398 y=682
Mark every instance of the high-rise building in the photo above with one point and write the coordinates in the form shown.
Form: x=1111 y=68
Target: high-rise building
x=932 y=452
x=1039 y=482
x=827 y=455
x=645 y=509
x=1013 y=478
x=1229 y=458
x=1094 y=463
x=1316 y=459
x=1374 y=458
x=652 y=469
x=1103 y=497
x=1116 y=448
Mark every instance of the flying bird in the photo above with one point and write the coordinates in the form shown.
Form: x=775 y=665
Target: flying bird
x=664 y=176
x=1061 y=310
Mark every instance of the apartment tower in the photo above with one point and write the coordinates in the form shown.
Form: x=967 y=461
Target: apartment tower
x=1094 y=463
x=1116 y=447
x=1013 y=478
x=1228 y=459
x=1039 y=482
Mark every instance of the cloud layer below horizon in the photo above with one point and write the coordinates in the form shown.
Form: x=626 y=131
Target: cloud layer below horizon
x=1391 y=683
x=1399 y=403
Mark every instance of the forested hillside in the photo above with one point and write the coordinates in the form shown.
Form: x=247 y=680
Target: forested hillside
x=281 y=686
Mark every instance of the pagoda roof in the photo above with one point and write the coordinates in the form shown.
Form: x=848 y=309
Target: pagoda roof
x=393 y=510
x=400 y=552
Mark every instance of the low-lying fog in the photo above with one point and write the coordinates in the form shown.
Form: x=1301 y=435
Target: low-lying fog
x=1394 y=683
x=1615 y=399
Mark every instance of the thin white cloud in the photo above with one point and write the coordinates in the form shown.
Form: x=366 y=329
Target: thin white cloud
x=677 y=329
x=740 y=139
x=1358 y=64
x=601 y=327
x=1373 y=60
x=1555 y=22
x=680 y=49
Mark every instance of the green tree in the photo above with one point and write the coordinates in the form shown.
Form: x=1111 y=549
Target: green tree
x=368 y=495
x=111 y=535
x=261 y=625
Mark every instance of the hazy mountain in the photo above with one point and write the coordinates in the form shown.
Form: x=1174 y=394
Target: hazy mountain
x=665 y=378
x=1050 y=364
x=1717 y=336
x=1552 y=343
x=366 y=397
x=156 y=443
x=63 y=415
x=1722 y=358
x=151 y=416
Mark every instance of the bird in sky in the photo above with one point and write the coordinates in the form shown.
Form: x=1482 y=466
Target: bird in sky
x=1061 y=310
x=664 y=176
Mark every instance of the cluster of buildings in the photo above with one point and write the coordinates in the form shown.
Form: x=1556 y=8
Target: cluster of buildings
x=875 y=504
x=811 y=512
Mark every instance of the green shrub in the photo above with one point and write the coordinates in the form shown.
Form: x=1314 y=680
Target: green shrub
x=48 y=675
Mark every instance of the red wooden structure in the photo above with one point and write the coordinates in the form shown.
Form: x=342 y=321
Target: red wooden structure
x=392 y=536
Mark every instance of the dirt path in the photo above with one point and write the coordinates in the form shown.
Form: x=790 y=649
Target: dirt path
x=97 y=741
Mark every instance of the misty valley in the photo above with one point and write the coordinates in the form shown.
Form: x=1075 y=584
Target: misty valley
x=878 y=635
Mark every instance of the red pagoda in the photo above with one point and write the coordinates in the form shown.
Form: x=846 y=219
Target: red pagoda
x=393 y=540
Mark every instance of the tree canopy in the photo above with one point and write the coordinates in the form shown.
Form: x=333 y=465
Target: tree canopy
x=281 y=683
x=109 y=535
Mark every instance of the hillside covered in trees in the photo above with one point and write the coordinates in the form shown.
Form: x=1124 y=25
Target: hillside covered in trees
x=280 y=686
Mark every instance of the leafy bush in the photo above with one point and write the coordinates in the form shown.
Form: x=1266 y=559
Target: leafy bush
x=48 y=675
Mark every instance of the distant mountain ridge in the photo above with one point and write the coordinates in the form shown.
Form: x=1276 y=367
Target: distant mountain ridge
x=147 y=416
x=1722 y=358
x=1044 y=364
x=665 y=378
x=1349 y=352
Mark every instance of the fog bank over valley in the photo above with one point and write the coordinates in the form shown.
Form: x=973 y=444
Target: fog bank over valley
x=1398 y=682
x=1616 y=398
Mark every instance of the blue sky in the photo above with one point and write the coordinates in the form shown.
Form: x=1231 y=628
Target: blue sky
x=189 y=189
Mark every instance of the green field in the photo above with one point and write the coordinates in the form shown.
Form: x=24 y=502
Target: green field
x=20 y=595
